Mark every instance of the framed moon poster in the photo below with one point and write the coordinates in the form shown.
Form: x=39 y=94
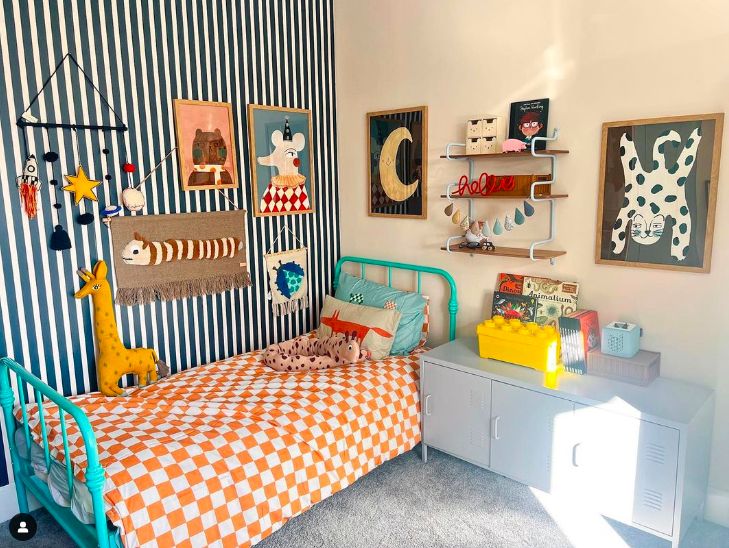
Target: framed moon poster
x=397 y=148
x=658 y=188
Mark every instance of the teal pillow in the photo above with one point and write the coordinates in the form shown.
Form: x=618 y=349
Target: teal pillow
x=410 y=305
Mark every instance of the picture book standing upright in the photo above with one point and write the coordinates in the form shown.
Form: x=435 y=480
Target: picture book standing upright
x=580 y=332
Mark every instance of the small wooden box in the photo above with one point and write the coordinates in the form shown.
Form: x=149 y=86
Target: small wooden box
x=490 y=127
x=474 y=128
x=488 y=145
x=473 y=145
x=641 y=369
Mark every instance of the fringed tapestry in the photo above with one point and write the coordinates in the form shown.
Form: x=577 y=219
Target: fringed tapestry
x=289 y=280
x=169 y=257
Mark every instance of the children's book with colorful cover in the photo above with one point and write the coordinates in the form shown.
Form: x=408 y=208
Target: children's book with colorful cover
x=510 y=283
x=580 y=333
x=554 y=298
x=514 y=307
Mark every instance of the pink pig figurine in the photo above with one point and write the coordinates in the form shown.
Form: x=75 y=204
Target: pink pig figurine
x=513 y=145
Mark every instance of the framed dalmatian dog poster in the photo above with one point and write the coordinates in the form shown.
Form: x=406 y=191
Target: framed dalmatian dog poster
x=658 y=188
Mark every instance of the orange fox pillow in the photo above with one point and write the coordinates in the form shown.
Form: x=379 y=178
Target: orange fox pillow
x=374 y=328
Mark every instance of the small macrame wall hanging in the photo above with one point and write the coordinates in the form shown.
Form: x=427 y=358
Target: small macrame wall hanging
x=288 y=277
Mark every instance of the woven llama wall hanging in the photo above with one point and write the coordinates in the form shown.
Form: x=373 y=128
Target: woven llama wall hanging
x=176 y=256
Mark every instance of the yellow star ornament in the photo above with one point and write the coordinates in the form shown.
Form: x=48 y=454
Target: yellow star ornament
x=81 y=186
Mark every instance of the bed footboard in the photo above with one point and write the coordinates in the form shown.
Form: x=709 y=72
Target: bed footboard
x=99 y=534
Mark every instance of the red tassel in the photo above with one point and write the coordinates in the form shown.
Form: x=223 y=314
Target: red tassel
x=29 y=197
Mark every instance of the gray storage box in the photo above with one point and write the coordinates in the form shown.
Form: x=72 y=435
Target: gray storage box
x=640 y=369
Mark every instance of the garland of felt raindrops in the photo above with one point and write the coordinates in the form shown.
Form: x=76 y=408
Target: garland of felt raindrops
x=459 y=219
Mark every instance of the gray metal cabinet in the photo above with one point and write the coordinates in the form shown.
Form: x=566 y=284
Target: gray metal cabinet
x=639 y=455
x=631 y=462
x=525 y=428
x=455 y=410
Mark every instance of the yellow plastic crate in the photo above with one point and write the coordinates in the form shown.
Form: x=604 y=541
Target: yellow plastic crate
x=526 y=344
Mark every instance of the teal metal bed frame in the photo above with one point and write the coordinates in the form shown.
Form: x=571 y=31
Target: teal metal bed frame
x=390 y=265
x=103 y=533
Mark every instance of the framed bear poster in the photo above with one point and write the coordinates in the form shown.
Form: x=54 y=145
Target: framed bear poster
x=205 y=144
x=658 y=188
x=282 y=162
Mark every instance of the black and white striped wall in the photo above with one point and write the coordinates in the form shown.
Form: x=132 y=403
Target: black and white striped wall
x=142 y=54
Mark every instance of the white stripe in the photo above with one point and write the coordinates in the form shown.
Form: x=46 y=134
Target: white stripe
x=171 y=342
x=158 y=247
x=21 y=286
x=182 y=91
x=240 y=88
x=145 y=128
x=44 y=269
x=216 y=248
x=169 y=251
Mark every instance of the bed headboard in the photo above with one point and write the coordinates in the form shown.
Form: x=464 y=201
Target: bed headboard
x=390 y=265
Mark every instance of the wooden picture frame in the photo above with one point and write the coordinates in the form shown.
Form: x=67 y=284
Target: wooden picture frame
x=657 y=194
x=290 y=189
x=203 y=129
x=408 y=150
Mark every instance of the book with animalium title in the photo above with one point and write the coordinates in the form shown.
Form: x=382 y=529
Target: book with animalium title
x=554 y=298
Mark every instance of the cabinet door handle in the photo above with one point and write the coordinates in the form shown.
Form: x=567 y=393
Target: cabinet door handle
x=427 y=405
x=495 y=427
x=575 y=463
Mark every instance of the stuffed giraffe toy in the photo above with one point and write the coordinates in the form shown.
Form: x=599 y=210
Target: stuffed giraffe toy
x=114 y=359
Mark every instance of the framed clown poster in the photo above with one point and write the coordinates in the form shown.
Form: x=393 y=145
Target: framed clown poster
x=282 y=162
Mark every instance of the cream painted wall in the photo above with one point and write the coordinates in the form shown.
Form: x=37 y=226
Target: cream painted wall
x=596 y=61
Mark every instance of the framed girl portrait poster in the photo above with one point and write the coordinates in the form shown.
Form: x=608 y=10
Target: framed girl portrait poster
x=205 y=144
x=282 y=162
x=658 y=190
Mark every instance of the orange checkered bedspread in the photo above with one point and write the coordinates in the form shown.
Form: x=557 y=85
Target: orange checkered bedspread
x=224 y=454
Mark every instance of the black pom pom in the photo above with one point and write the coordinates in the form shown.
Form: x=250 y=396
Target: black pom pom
x=59 y=239
x=85 y=218
x=54 y=182
x=105 y=151
x=50 y=156
x=57 y=205
x=107 y=177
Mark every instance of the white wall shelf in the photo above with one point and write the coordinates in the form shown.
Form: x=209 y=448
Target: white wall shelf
x=531 y=252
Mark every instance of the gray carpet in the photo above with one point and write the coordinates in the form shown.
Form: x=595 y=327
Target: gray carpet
x=445 y=502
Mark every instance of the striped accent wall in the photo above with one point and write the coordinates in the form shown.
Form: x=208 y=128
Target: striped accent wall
x=142 y=54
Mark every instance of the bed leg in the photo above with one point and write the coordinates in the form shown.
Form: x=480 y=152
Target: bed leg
x=424 y=452
x=20 y=491
x=7 y=400
x=95 y=482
